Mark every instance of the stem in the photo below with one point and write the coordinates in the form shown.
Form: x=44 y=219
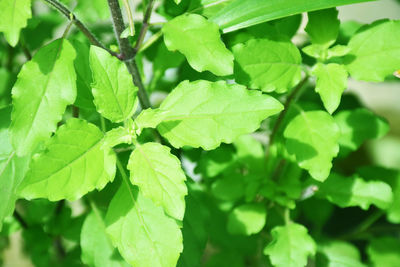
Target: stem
x=119 y=27
x=128 y=53
x=67 y=13
x=364 y=225
x=123 y=173
x=21 y=220
x=130 y=17
x=137 y=80
x=288 y=102
x=145 y=26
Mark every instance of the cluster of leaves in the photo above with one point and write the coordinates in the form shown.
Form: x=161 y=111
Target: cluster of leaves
x=242 y=162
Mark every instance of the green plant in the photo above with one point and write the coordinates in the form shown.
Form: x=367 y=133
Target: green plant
x=266 y=144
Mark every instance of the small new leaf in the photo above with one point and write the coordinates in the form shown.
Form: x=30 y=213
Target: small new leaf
x=159 y=176
x=113 y=90
x=291 y=246
x=331 y=82
x=72 y=165
x=200 y=41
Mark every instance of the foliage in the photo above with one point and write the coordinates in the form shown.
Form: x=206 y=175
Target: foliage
x=210 y=139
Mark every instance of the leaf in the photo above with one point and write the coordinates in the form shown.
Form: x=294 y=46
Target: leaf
x=267 y=65
x=331 y=82
x=177 y=1
x=357 y=126
x=204 y=114
x=159 y=176
x=113 y=89
x=375 y=51
x=384 y=251
x=354 y=191
x=247 y=219
x=84 y=97
x=229 y=187
x=241 y=14
x=313 y=138
x=144 y=235
x=149 y=118
x=391 y=177
x=338 y=254
x=195 y=228
x=119 y=135
x=97 y=249
x=290 y=246
x=38 y=99
x=12 y=169
x=14 y=16
x=323 y=26
x=72 y=165
x=208 y=8
x=199 y=40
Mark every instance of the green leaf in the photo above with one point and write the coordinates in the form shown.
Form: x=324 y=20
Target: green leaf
x=331 y=82
x=357 y=126
x=119 y=135
x=354 y=191
x=229 y=187
x=290 y=246
x=323 y=26
x=338 y=254
x=113 y=89
x=384 y=251
x=149 y=118
x=84 y=97
x=313 y=138
x=14 y=16
x=38 y=99
x=195 y=228
x=338 y=51
x=12 y=169
x=241 y=14
x=72 y=165
x=391 y=177
x=247 y=219
x=144 y=235
x=199 y=40
x=208 y=8
x=267 y=65
x=375 y=51
x=97 y=249
x=177 y=1
x=159 y=176
x=204 y=114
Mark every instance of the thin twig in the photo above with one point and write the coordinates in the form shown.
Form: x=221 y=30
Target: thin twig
x=69 y=15
x=127 y=51
x=21 y=220
x=119 y=27
x=145 y=26
x=288 y=102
